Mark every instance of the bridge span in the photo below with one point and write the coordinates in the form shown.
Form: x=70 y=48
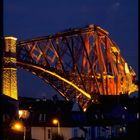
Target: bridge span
x=79 y=63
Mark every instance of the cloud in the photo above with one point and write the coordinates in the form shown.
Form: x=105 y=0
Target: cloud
x=115 y=6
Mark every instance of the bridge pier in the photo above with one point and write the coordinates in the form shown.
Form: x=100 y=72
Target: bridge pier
x=9 y=94
x=9 y=70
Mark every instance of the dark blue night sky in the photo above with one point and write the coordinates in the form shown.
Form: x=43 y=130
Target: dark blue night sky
x=27 y=19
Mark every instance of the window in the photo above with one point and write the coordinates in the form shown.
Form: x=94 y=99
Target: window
x=124 y=129
x=42 y=117
x=137 y=115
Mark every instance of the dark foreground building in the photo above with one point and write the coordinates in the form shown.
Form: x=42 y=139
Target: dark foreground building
x=115 y=118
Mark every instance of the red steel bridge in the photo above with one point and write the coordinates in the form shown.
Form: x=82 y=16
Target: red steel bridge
x=79 y=63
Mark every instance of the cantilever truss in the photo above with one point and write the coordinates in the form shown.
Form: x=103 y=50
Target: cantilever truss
x=79 y=63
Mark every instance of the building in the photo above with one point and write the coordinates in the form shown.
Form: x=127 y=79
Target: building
x=111 y=119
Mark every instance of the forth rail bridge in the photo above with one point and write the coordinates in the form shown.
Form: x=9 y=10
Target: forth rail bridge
x=79 y=63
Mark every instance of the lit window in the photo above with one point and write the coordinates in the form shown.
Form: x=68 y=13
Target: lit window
x=42 y=117
x=120 y=129
x=23 y=114
x=124 y=129
x=137 y=115
x=125 y=108
x=37 y=100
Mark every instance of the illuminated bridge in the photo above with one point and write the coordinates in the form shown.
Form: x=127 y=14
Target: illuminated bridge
x=79 y=63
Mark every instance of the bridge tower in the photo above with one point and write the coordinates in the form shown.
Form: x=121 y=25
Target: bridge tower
x=9 y=70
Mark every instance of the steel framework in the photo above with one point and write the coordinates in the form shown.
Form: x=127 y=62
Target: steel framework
x=79 y=63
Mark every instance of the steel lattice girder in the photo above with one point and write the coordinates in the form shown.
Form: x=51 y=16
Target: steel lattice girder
x=84 y=63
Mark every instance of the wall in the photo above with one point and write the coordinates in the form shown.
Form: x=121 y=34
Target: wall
x=45 y=133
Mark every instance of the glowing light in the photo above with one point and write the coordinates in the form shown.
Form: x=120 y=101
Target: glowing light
x=23 y=114
x=120 y=129
x=9 y=75
x=20 y=113
x=84 y=109
x=9 y=60
x=10 y=37
x=55 y=121
x=9 y=68
x=114 y=49
x=9 y=82
x=17 y=126
x=125 y=108
x=59 y=77
x=137 y=115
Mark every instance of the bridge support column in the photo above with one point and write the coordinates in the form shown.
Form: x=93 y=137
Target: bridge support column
x=9 y=97
x=9 y=71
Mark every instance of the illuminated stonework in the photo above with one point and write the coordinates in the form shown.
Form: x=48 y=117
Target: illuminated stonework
x=8 y=60
x=9 y=76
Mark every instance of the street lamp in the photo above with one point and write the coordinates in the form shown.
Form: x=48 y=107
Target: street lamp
x=18 y=126
x=56 y=121
x=24 y=133
x=23 y=114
